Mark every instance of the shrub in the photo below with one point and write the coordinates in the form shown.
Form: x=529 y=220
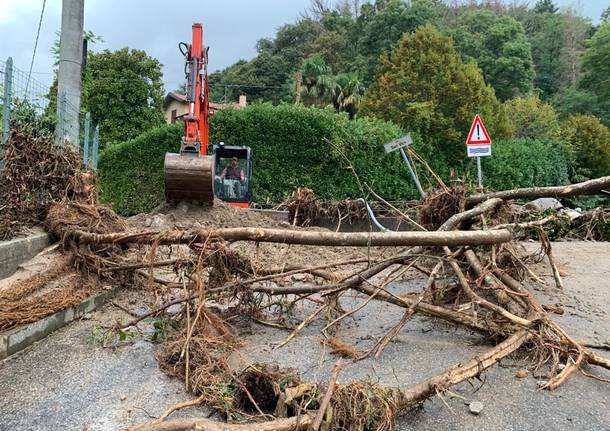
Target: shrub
x=525 y=163
x=589 y=141
x=532 y=118
x=131 y=173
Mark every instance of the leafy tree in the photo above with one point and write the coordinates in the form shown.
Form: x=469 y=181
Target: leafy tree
x=577 y=101
x=545 y=6
x=589 y=140
x=605 y=17
x=424 y=86
x=596 y=68
x=530 y=117
x=543 y=26
x=382 y=24
x=499 y=46
x=124 y=91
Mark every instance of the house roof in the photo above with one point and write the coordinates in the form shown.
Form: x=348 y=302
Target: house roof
x=173 y=95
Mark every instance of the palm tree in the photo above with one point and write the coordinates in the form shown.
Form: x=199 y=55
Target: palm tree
x=347 y=93
x=317 y=81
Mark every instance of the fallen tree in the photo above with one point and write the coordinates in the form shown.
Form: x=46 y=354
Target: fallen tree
x=297 y=237
x=590 y=187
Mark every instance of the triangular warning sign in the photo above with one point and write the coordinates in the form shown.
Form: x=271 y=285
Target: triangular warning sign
x=478 y=134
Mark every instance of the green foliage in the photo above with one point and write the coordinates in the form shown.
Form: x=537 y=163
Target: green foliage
x=382 y=24
x=589 y=140
x=596 y=69
x=294 y=146
x=500 y=48
x=347 y=94
x=525 y=163
x=109 y=337
x=317 y=80
x=131 y=173
x=423 y=86
x=532 y=118
x=124 y=92
x=577 y=101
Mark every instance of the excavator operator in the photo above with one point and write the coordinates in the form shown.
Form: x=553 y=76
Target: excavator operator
x=233 y=171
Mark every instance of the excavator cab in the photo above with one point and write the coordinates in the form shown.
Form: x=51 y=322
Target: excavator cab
x=233 y=174
x=192 y=174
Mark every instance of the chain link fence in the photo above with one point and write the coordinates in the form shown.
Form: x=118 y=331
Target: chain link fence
x=22 y=94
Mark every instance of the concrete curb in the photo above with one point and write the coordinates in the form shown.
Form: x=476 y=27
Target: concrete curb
x=16 y=251
x=17 y=339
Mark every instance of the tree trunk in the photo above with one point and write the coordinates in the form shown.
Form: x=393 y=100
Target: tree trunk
x=590 y=187
x=287 y=236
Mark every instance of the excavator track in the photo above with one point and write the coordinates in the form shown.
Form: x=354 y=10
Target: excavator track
x=189 y=177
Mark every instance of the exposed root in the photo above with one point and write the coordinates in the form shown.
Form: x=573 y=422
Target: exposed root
x=440 y=205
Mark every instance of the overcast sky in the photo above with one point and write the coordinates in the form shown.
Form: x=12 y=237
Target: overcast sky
x=232 y=28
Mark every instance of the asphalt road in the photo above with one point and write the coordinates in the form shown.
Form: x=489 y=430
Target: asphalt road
x=67 y=383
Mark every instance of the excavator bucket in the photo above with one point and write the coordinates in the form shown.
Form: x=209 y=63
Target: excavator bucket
x=189 y=177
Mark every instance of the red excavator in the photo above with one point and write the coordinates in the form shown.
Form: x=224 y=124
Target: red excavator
x=193 y=175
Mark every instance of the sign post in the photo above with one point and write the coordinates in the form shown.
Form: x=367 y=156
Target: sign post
x=400 y=144
x=478 y=144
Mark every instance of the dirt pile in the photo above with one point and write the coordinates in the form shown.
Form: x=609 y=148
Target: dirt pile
x=187 y=216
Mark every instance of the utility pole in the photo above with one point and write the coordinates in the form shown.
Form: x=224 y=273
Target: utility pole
x=70 y=70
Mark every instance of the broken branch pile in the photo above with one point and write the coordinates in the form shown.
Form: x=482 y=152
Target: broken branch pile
x=37 y=173
x=469 y=285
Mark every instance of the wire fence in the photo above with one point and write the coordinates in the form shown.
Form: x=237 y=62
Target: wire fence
x=22 y=95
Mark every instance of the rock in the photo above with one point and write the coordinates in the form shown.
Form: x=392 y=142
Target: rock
x=183 y=206
x=476 y=407
x=285 y=224
x=523 y=373
x=571 y=214
x=172 y=310
x=544 y=204
x=157 y=221
x=560 y=367
x=123 y=397
x=147 y=222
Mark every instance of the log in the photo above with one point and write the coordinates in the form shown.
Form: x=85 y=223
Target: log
x=460 y=373
x=202 y=424
x=590 y=187
x=288 y=236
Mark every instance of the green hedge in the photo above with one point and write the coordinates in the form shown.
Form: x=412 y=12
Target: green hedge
x=294 y=146
x=291 y=146
x=525 y=163
x=307 y=147
x=131 y=173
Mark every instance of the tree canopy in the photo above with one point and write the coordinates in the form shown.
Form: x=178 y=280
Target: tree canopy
x=498 y=45
x=125 y=92
x=423 y=85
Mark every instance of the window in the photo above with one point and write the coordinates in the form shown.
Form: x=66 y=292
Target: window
x=174 y=115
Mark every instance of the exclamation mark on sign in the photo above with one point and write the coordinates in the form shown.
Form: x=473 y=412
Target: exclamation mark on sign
x=478 y=133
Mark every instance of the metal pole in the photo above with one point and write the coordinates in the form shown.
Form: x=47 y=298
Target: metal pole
x=96 y=146
x=479 y=173
x=6 y=108
x=412 y=172
x=86 y=139
x=69 y=72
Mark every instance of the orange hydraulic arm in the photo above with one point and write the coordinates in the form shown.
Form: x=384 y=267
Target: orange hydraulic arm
x=196 y=122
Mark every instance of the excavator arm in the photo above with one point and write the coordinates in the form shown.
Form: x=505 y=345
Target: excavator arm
x=189 y=174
